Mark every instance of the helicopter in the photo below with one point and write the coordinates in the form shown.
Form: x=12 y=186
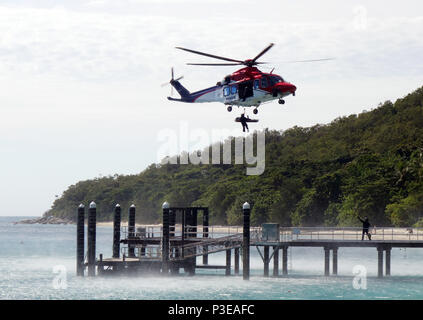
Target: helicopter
x=246 y=87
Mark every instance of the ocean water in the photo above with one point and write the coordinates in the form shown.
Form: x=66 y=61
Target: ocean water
x=34 y=257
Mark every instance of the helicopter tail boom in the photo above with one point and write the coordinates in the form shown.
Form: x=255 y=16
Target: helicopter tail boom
x=184 y=93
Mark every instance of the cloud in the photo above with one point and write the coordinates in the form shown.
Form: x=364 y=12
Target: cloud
x=101 y=46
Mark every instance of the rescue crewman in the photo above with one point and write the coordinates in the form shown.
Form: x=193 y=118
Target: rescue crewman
x=366 y=226
x=243 y=121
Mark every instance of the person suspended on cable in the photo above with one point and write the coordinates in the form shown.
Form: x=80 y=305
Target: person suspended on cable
x=243 y=120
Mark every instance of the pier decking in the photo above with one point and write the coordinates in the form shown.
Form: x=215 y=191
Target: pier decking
x=179 y=241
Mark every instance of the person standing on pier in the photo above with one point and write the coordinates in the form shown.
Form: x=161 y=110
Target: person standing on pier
x=366 y=226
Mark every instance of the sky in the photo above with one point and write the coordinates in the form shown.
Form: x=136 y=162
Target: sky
x=80 y=80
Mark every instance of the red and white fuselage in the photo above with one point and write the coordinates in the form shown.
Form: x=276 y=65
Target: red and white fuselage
x=247 y=87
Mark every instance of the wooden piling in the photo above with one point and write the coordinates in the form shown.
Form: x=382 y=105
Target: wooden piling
x=275 y=261
x=236 y=262
x=335 y=260
x=285 y=260
x=327 y=252
x=116 y=231
x=182 y=253
x=80 y=238
x=91 y=238
x=380 y=262
x=246 y=242
x=205 y=234
x=172 y=222
x=228 y=262
x=100 y=267
x=165 y=242
x=131 y=230
x=172 y=251
x=194 y=222
x=266 y=261
x=191 y=227
x=388 y=261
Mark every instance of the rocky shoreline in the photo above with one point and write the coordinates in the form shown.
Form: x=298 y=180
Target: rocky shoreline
x=45 y=220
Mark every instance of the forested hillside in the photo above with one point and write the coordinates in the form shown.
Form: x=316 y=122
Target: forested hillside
x=367 y=164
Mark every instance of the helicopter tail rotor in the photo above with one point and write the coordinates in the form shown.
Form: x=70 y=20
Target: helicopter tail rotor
x=172 y=80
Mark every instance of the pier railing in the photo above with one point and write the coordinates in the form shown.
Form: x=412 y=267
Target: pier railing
x=285 y=233
x=156 y=231
x=150 y=252
x=147 y=231
x=351 y=233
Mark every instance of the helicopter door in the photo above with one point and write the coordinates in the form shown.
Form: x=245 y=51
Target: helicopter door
x=245 y=90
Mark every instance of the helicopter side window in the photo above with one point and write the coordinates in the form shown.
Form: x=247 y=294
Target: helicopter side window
x=264 y=82
x=256 y=84
x=233 y=89
x=226 y=91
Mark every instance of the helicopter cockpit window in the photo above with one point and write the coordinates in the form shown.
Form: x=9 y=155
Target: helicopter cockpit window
x=264 y=82
x=226 y=91
x=275 y=79
x=233 y=89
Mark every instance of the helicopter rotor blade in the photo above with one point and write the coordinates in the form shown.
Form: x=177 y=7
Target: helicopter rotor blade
x=222 y=64
x=262 y=53
x=209 y=55
x=214 y=64
x=312 y=60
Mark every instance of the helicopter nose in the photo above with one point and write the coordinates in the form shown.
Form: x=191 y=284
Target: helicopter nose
x=293 y=88
x=286 y=87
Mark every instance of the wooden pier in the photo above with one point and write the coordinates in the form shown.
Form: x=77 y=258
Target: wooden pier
x=179 y=241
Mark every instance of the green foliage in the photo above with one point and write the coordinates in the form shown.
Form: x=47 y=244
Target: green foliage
x=407 y=211
x=369 y=164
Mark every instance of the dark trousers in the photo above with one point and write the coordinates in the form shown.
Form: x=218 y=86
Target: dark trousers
x=366 y=231
x=244 y=126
